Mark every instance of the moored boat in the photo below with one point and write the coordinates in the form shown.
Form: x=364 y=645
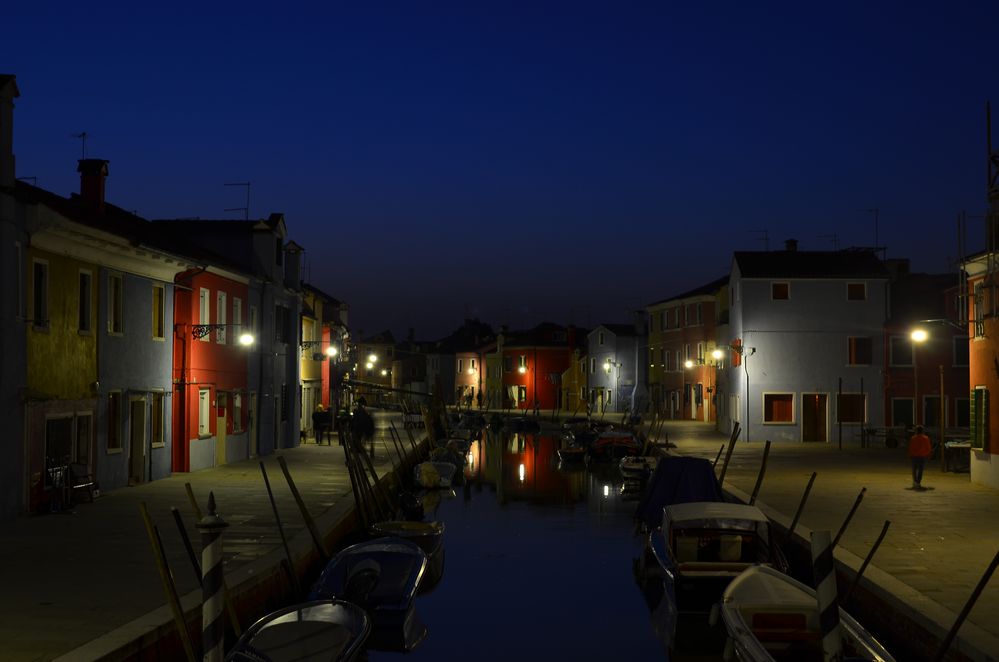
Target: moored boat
x=429 y=536
x=612 y=444
x=322 y=630
x=770 y=616
x=381 y=576
x=434 y=474
x=638 y=465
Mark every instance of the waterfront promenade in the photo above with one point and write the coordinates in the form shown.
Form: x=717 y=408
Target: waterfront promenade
x=940 y=541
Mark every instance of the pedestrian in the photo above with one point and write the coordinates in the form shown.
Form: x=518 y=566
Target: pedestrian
x=919 y=449
x=317 y=423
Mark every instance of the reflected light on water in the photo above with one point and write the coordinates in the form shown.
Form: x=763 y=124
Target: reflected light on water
x=606 y=490
x=521 y=471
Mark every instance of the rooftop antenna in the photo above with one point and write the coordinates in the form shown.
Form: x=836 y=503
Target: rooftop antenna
x=763 y=236
x=877 y=213
x=83 y=142
x=833 y=237
x=246 y=209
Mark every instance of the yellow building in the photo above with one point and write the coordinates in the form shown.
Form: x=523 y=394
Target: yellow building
x=574 y=395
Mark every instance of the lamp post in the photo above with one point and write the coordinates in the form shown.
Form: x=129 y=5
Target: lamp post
x=608 y=365
x=918 y=336
x=745 y=353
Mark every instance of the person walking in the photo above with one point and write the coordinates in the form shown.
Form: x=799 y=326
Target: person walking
x=919 y=449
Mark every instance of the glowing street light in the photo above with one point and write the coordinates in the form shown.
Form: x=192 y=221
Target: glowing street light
x=522 y=369
x=369 y=365
x=918 y=336
x=246 y=339
x=688 y=364
x=717 y=354
x=331 y=351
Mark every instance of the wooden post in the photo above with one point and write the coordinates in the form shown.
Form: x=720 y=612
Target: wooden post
x=715 y=463
x=967 y=608
x=849 y=516
x=309 y=523
x=943 y=423
x=166 y=577
x=728 y=455
x=863 y=566
x=194 y=502
x=292 y=577
x=230 y=608
x=212 y=591
x=763 y=470
x=801 y=506
x=824 y=571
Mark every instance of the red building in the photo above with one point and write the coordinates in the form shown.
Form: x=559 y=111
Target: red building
x=211 y=403
x=533 y=362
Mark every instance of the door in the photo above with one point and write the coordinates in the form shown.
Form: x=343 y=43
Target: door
x=137 y=440
x=813 y=416
x=222 y=406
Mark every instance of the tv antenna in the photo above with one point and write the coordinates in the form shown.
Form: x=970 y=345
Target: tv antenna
x=246 y=209
x=83 y=142
x=833 y=237
x=877 y=213
x=764 y=236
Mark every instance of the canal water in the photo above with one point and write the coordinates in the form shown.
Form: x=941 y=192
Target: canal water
x=538 y=561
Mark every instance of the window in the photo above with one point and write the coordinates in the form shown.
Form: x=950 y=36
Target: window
x=84 y=434
x=668 y=361
x=778 y=408
x=678 y=363
x=593 y=366
x=284 y=402
x=278 y=252
x=471 y=363
x=694 y=314
x=662 y=320
x=507 y=364
x=20 y=279
x=116 y=303
x=600 y=338
x=114 y=421
x=40 y=295
x=522 y=361
x=157 y=418
x=521 y=393
x=204 y=310
x=608 y=396
x=686 y=352
x=84 y=303
x=851 y=407
x=979 y=310
x=700 y=352
x=900 y=349
x=979 y=429
x=856 y=291
x=859 y=350
x=281 y=317
x=652 y=323
x=961 y=354
x=253 y=320
x=962 y=416
x=58 y=444
x=780 y=291
x=204 y=412
x=221 y=305
x=901 y=411
x=460 y=365
x=662 y=357
x=237 y=317
x=582 y=393
x=159 y=311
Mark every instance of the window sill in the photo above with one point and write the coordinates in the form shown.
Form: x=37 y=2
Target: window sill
x=159 y=339
x=113 y=451
x=159 y=445
x=204 y=436
x=780 y=423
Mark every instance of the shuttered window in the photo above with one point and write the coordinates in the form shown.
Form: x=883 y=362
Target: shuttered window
x=979 y=429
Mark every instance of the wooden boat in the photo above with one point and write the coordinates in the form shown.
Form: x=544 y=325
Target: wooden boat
x=611 y=444
x=638 y=465
x=429 y=536
x=381 y=576
x=571 y=454
x=702 y=546
x=771 y=617
x=434 y=474
x=522 y=424
x=321 y=630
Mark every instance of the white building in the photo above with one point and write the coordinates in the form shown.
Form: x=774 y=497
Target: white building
x=806 y=344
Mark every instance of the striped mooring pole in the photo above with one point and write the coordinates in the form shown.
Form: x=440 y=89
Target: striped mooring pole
x=212 y=591
x=825 y=592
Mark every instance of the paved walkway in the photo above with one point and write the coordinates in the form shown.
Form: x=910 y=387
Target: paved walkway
x=940 y=542
x=66 y=579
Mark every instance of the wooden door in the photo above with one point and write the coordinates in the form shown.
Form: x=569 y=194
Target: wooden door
x=137 y=440
x=814 y=417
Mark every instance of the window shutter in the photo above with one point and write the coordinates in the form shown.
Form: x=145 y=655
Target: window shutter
x=985 y=419
x=973 y=419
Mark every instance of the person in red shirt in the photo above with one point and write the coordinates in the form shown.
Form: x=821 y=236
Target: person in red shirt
x=919 y=449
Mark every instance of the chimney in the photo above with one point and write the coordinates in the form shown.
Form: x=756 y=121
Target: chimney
x=93 y=173
x=791 y=245
x=8 y=92
x=293 y=265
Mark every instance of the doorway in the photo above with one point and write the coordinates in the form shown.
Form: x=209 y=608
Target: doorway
x=137 y=440
x=814 y=416
x=222 y=406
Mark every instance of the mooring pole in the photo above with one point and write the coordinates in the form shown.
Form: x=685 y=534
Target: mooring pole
x=212 y=591
x=763 y=470
x=863 y=566
x=194 y=502
x=166 y=577
x=728 y=454
x=967 y=608
x=195 y=564
x=849 y=516
x=825 y=593
x=715 y=463
x=309 y=523
x=801 y=506
x=292 y=577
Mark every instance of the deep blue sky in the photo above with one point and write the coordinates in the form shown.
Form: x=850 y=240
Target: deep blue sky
x=521 y=161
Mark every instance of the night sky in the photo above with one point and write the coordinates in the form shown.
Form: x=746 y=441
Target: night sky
x=521 y=161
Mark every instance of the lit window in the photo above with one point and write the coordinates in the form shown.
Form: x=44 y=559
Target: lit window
x=204 y=310
x=220 y=313
x=851 y=407
x=159 y=311
x=859 y=351
x=157 y=419
x=204 y=412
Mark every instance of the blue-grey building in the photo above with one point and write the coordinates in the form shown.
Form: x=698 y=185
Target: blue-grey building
x=616 y=375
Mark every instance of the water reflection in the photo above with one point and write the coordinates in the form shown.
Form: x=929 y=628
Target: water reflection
x=538 y=560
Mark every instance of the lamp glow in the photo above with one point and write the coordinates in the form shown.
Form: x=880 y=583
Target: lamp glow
x=607 y=366
x=717 y=354
x=688 y=364
x=606 y=490
x=369 y=365
x=919 y=335
x=384 y=372
x=331 y=351
x=521 y=472
x=471 y=371
x=246 y=339
x=522 y=369
x=372 y=358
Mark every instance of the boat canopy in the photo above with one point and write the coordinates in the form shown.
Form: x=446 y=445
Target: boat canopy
x=686 y=514
x=677 y=480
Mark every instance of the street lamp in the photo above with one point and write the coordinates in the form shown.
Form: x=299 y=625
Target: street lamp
x=918 y=336
x=745 y=353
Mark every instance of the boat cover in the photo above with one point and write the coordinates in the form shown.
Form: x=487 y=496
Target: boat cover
x=677 y=479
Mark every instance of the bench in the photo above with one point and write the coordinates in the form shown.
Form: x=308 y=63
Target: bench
x=79 y=478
